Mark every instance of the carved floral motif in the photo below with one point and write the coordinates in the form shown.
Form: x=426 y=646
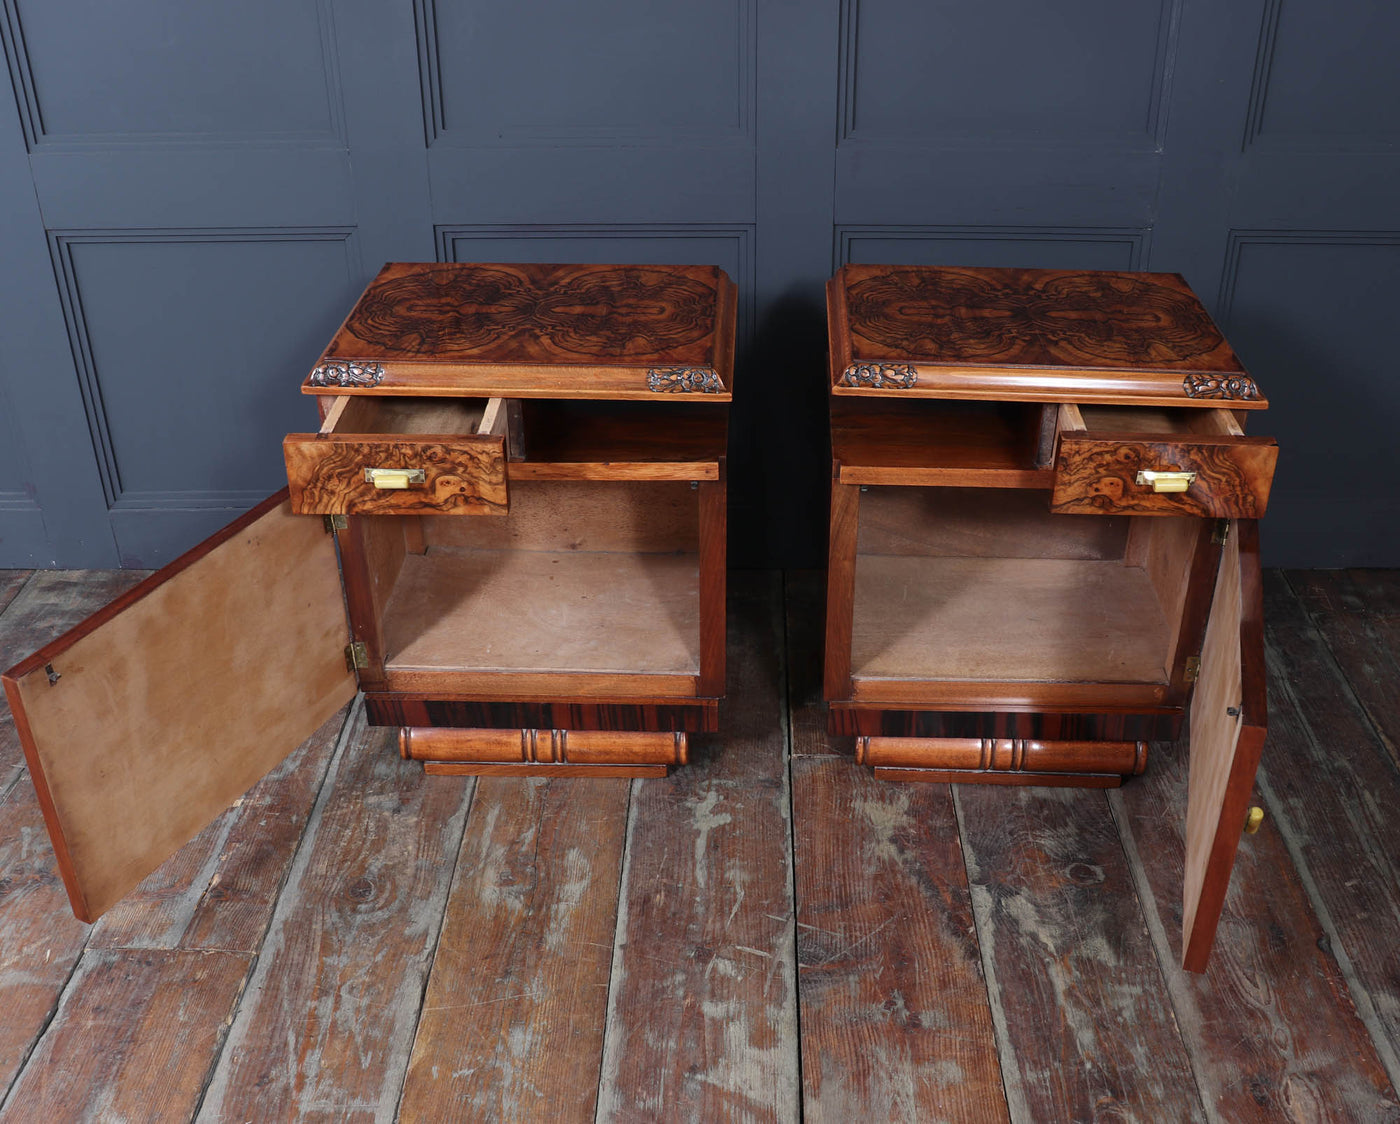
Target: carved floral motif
x=881 y=376
x=1219 y=386
x=684 y=380
x=347 y=373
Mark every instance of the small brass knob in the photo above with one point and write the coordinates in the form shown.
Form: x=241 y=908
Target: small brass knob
x=1253 y=820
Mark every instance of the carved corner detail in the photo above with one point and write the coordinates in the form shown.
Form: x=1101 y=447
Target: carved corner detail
x=684 y=380
x=880 y=376
x=348 y=373
x=1219 y=386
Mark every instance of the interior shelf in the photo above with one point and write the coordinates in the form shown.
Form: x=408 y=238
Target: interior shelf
x=621 y=440
x=552 y=611
x=967 y=444
x=919 y=617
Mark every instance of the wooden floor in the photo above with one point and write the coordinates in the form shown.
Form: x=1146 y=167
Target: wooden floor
x=768 y=934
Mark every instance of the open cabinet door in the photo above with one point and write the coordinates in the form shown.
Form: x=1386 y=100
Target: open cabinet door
x=152 y=716
x=1228 y=722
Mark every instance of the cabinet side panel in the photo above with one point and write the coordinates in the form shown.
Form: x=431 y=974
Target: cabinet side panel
x=143 y=727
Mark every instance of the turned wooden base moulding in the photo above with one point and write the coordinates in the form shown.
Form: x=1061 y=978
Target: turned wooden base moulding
x=1043 y=539
x=515 y=498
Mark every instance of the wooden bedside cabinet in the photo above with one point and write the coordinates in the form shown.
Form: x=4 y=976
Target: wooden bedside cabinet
x=516 y=498
x=1044 y=540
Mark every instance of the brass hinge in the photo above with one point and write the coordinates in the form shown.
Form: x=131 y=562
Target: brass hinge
x=334 y=523
x=1193 y=668
x=1221 y=532
x=356 y=657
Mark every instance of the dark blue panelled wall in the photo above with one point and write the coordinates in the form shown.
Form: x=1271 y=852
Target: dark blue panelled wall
x=192 y=194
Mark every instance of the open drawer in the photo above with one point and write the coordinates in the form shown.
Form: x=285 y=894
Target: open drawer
x=1119 y=460
x=379 y=455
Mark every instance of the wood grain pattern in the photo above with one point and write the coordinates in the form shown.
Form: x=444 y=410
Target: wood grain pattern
x=890 y=721
x=513 y=1017
x=1272 y=1032
x=40 y=939
x=1333 y=791
x=532 y=746
x=1097 y=475
x=525 y=330
x=1069 y=962
x=463 y=475
x=1358 y=615
x=1004 y=755
x=326 y=1024
x=703 y=1024
x=1032 y=335
x=694 y=716
x=134 y=1038
x=894 y=1012
x=1228 y=722
x=257 y=605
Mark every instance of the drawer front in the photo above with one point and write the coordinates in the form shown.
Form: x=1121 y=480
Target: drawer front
x=1099 y=474
x=462 y=475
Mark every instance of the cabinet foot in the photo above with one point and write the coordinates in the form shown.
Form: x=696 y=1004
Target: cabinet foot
x=542 y=753
x=1087 y=764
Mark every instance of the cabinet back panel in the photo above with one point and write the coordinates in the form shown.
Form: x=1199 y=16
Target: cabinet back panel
x=982 y=523
x=638 y=517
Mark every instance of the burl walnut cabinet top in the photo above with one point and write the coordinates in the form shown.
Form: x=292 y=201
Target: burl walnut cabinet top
x=1029 y=335
x=557 y=331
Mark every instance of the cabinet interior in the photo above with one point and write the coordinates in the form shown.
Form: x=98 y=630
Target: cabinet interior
x=581 y=576
x=982 y=584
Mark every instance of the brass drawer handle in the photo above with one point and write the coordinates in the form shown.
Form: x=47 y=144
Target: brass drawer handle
x=1166 y=481
x=395 y=477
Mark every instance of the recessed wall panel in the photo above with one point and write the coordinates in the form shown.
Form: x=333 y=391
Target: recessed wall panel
x=193 y=350
x=1028 y=249
x=1326 y=77
x=1020 y=71
x=172 y=69
x=1311 y=314
x=542 y=69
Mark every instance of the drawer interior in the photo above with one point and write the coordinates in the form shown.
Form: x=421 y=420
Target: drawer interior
x=449 y=417
x=1210 y=422
x=973 y=584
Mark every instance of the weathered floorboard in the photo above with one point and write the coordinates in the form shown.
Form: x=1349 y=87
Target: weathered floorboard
x=134 y=1038
x=1358 y=615
x=702 y=1019
x=512 y=1023
x=326 y=1027
x=1081 y=1007
x=894 y=1013
x=804 y=605
x=1270 y=1026
x=1333 y=792
x=40 y=939
x=11 y=582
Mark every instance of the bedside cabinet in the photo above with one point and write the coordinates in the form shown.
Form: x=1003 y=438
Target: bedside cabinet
x=1043 y=541
x=508 y=532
